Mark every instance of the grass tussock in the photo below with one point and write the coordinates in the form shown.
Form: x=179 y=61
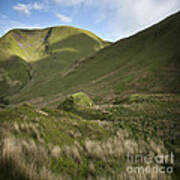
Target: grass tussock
x=13 y=164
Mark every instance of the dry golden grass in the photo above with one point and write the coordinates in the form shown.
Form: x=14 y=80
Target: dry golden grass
x=13 y=160
x=56 y=151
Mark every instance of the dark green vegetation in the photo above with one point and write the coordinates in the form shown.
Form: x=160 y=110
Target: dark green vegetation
x=92 y=102
x=14 y=74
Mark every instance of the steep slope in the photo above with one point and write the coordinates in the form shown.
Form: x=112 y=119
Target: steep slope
x=26 y=44
x=146 y=62
x=48 y=52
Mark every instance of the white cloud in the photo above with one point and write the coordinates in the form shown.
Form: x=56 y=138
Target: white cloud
x=26 y=8
x=145 y=12
x=37 y=6
x=70 y=2
x=22 y=8
x=130 y=16
x=63 y=18
x=117 y=18
x=124 y=17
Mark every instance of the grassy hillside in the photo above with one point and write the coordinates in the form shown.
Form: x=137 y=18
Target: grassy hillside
x=48 y=53
x=33 y=45
x=147 y=62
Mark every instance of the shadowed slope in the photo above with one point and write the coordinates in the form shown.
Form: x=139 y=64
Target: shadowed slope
x=146 y=62
x=14 y=74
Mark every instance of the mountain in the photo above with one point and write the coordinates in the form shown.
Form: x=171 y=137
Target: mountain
x=76 y=107
x=36 y=54
x=147 y=62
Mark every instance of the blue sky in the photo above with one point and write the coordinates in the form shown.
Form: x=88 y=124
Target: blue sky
x=109 y=19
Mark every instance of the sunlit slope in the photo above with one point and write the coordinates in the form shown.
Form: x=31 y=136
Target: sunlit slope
x=48 y=52
x=32 y=45
x=26 y=44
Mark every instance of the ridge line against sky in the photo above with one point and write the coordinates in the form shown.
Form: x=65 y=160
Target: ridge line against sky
x=111 y=20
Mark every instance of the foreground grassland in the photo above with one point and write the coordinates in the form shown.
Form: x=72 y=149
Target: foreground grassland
x=86 y=142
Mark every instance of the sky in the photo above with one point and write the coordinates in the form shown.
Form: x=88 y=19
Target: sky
x=110 y=19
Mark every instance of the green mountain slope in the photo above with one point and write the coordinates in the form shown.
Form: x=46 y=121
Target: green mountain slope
x=48 y=52
x=146 y=62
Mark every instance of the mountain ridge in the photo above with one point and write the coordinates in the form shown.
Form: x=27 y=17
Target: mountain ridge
x=21 y=35
x=66 y=43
